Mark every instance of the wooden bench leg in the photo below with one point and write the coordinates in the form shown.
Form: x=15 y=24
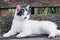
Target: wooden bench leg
x=32 y=10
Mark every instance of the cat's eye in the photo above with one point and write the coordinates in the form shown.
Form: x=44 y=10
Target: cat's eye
x=22 y=10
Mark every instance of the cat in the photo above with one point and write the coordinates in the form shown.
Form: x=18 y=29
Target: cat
x=25 y=27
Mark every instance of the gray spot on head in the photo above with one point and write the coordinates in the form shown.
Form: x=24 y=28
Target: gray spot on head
x=21 y=12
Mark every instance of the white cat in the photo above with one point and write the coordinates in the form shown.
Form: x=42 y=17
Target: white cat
x=25 y=27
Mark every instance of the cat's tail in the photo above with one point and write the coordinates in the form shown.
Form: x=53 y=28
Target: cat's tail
x=58 y=32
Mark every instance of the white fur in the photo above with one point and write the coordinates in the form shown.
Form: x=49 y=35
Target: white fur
x=26 y=27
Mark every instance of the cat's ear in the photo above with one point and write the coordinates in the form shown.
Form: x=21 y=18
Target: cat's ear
x=27 y=7
x=18 y=7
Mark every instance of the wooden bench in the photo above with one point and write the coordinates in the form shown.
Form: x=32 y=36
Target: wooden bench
x=4 y=9
x=8 y=4
x=41 y=6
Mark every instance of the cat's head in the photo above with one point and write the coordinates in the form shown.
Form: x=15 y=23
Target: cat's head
x=23 y=13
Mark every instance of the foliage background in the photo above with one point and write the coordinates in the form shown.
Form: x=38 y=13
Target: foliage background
x=47 y=10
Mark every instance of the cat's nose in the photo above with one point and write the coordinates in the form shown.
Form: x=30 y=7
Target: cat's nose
x=25 y=17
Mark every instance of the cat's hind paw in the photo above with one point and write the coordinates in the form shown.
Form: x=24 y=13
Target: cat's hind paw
x=52 y=36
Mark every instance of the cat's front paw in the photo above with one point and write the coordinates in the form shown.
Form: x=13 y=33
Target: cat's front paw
x=6 y=35
x=18 y=36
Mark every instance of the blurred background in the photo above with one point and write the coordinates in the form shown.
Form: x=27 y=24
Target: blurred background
x=41 y=6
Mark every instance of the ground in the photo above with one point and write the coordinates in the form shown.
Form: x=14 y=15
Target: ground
x=41 y=37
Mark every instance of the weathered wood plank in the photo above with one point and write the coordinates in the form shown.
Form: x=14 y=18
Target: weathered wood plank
x=31 y=5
